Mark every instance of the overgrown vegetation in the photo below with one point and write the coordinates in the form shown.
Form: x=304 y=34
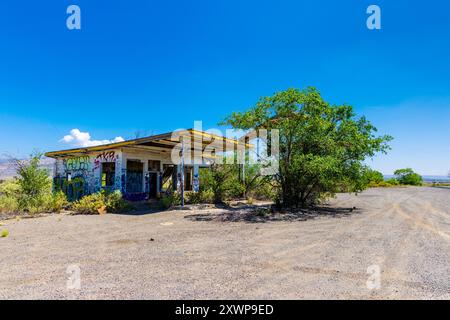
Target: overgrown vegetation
x=408 y=177
x=101 y=202
x=375 y=179
x=322 y=146
x=31 y=191
x=230 y=181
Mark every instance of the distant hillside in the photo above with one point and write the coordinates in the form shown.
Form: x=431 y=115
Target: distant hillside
x=7 y=170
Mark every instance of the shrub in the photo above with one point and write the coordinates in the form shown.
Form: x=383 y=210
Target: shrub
x=265 y=191
x=14 y=198
x=115 y=203
x=57 y=201
x=192 y=197
x=34 y=184
x=408 y=177
x=384 y=184
x=374 y=177
x=392 y=182
x=31 y=191
x=8 y=204
x=206 y=196
x=222 y=181
x=169 y=200
x=9 y=188
x=8 y=196
x=100 y=201
x=203 y=196
x=90 y=204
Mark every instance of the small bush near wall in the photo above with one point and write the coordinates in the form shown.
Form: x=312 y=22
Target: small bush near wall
x=169 y=200
x=98 y=202
x=116 y=204
x=174 y=199
x=203 y=196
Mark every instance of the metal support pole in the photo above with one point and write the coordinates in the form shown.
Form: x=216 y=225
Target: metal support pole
x=182 y=172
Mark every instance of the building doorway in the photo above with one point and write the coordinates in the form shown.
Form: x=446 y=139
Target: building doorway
x=152 y=184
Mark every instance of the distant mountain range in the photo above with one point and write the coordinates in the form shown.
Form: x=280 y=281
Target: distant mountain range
x=7 y=170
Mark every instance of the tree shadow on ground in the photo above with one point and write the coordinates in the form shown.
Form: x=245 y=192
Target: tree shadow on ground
x=262 y=214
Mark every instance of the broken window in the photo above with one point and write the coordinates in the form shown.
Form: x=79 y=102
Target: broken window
x=168 y=176
x=108 y=174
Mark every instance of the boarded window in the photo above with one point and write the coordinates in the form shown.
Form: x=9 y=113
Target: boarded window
x=108 y=174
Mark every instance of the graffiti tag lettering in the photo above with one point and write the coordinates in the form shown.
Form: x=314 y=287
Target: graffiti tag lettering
x=106 y=156
x=77 y=164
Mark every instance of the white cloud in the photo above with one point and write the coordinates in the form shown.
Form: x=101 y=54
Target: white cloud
x=77 y=138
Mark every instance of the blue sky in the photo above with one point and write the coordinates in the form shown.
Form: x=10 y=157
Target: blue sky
x=156 y=66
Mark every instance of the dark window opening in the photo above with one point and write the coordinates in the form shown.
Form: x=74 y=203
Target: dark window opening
x=187 y=178
x=108 y=174
x=154 y=165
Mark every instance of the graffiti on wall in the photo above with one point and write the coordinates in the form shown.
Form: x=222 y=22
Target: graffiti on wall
x=74 y=189
x=123 y=181
x=196 y=183
x=134 y=182
x=75 y=182
x=78 y=176
x=81 y=163
x=105 y=156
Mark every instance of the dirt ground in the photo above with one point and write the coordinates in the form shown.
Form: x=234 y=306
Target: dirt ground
x=404 y=233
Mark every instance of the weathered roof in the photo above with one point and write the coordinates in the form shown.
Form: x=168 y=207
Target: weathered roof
x=163 y=141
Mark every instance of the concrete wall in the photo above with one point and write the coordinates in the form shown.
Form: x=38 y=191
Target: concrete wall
x=81 y=175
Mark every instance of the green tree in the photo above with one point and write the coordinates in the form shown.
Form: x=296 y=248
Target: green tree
x=322 y=146
x=34 y=183
x=408 y=177
x=222 y=180
x=374 y=177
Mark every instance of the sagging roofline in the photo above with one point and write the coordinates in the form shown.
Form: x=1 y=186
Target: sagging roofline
x=138 y=141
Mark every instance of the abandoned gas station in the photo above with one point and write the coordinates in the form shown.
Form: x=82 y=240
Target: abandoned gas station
x=141 y=168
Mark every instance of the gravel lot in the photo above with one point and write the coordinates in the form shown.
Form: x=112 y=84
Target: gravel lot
x=403 y=231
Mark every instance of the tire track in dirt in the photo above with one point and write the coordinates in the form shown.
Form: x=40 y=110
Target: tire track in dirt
x=284 y=258
x=398 y=258
x=422 y=223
